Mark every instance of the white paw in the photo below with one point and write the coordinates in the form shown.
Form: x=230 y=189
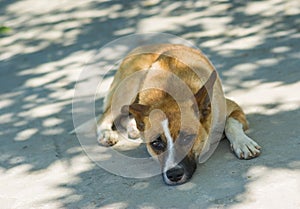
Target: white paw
x=107 y=137
x=245 y=148
x=132 y=131
x=133 y=134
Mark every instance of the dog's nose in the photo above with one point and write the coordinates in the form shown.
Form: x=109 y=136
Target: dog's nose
x=175 y=174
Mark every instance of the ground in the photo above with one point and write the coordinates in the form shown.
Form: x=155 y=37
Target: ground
x=254 y=46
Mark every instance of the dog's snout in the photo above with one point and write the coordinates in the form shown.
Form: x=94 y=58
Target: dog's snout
x=175 y=174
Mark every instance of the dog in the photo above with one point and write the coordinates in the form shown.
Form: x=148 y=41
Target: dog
x=174 y=130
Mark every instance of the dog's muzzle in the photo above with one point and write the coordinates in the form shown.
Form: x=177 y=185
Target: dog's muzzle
x=180 y=173
x=175 y=174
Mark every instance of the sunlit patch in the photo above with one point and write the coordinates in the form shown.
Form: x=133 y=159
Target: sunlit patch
x=53 y=132
x=5 y=103
x=38 y=81
x=281 y=49
x=141 y=185
x=264 y=99
x=43 y=110
x=26 y=134
x=187 y=186
x=20 y=123
x=116 y=205
x=279 y=189
x=49 y=122
x=6 y=118
x=244 y=69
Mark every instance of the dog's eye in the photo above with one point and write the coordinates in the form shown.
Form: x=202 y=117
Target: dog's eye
x=158 y=144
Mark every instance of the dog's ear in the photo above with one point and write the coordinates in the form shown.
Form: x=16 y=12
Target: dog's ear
x=204 y=95
x=139 y=111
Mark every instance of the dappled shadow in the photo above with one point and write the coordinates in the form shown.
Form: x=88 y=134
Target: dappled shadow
x=222 y=181
x=254 y=45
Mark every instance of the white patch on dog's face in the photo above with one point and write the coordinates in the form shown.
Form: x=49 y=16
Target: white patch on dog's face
x=170 y=159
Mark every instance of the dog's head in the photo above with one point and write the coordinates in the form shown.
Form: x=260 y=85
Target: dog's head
x=176 y=133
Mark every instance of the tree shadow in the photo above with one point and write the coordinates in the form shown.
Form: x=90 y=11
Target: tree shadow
x=251 y=44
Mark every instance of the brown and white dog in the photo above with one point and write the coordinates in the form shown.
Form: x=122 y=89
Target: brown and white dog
x=177 y=133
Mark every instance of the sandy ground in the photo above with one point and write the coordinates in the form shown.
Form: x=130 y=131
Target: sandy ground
x=255 y=47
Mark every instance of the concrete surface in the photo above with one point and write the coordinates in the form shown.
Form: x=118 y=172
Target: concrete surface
x=255 y=47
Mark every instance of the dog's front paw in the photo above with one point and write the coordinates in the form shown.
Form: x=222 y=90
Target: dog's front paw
x=132 y=131
x=133 y=134
x=246 y=148
x=107 y=137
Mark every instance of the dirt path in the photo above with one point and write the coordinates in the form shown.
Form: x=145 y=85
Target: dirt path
x=255 y=47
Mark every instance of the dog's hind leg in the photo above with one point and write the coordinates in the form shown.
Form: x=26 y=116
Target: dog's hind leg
x=242 y=145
